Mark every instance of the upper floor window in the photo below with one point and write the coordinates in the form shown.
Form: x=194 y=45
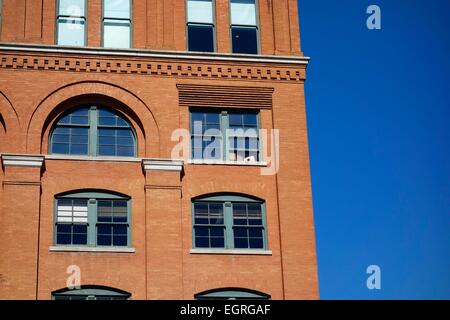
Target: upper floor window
x=200 y=25
x=231 y=294
x=92 y=219
x=225 y=135
x=117 y=23
x=93 y=131
x=229 y=222
x=71 y=22
x=90 y=293
x=244 y=26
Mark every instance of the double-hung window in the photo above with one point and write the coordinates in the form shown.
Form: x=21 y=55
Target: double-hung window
x=117 y=23
x=71 y=22
x=229 y=222
x=200 y=25
x=244 y=26
x=225 y=135
x=92 y=219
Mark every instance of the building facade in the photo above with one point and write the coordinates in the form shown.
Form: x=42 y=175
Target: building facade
x=154 y=149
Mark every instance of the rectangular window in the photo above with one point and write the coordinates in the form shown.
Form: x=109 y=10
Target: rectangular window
x=71 y=23
x=244 y=26
x=117 y=23
x=229 y=136
x=92 y=221
x=200 y=25
x=229 y=225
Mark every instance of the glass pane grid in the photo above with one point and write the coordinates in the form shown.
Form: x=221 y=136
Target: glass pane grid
x=112 y=223
x=209 y=228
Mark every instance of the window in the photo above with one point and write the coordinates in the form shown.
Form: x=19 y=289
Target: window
x=244 y=27
x=90 y=293
x=93 y=131
x=117 y=23
x=231 y=294
x=71 y=23
x=229 y=222
x=225 y=135
x=200 y=25
x=92 y=219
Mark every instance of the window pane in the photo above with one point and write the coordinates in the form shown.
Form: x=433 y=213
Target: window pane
x=116 y=34
x=244 y=40
x=79 y=149
x=117 y=9
x=104 y=240
x=79 y=239
x=256 y=243
x=243 y=12
x=63 y=238
x=201 y=242
x=71 y=32
x=241 y=243
x=73 y=8
x=217 y=242
x=200 y=38
x=200 y=11
x=120 y=240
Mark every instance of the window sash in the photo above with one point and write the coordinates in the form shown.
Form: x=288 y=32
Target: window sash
x=200 y=11
x=117 y=24
x=243 y=12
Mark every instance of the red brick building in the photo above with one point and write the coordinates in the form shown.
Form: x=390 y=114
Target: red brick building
x=95 y=96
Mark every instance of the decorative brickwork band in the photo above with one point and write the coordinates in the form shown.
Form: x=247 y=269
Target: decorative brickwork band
x=220 y=96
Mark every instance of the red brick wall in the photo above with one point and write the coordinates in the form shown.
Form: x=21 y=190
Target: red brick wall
x=157 y=24
x=35 y=88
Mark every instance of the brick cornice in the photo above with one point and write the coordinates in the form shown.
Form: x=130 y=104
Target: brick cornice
x=184 y=65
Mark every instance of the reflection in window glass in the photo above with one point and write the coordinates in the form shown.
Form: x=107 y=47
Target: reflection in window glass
x=117 y=24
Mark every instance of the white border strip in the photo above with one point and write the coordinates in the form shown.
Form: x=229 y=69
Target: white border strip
x=20 y=160
x=142 y=53
x=91 y=249
x=232 y=252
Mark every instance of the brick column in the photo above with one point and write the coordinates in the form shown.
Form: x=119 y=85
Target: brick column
x=19 y=226
x=163 y=228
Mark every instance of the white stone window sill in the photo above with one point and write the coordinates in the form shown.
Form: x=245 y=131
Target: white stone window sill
x=232 y=252
x=91 y=249
x=91 y=158
x=228 y=163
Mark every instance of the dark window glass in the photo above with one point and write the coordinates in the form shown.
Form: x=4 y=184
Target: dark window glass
x=200 y=38
x=112 y=223
x=206 y=136
x=244 y=40
x=74 y=133
x=248 y=226
x=209 y=225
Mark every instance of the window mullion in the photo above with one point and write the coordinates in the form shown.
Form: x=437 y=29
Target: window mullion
x=224 y=124
x=228 y=220
x=93 y=131
x=92 y=222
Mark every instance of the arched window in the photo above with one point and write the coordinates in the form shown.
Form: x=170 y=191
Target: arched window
x=229 y=221
x=94 y=131
x=92 y=219
x=231 y=294
x=91 y=293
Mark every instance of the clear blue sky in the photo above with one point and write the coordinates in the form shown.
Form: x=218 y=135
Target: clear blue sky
x=378 y=108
